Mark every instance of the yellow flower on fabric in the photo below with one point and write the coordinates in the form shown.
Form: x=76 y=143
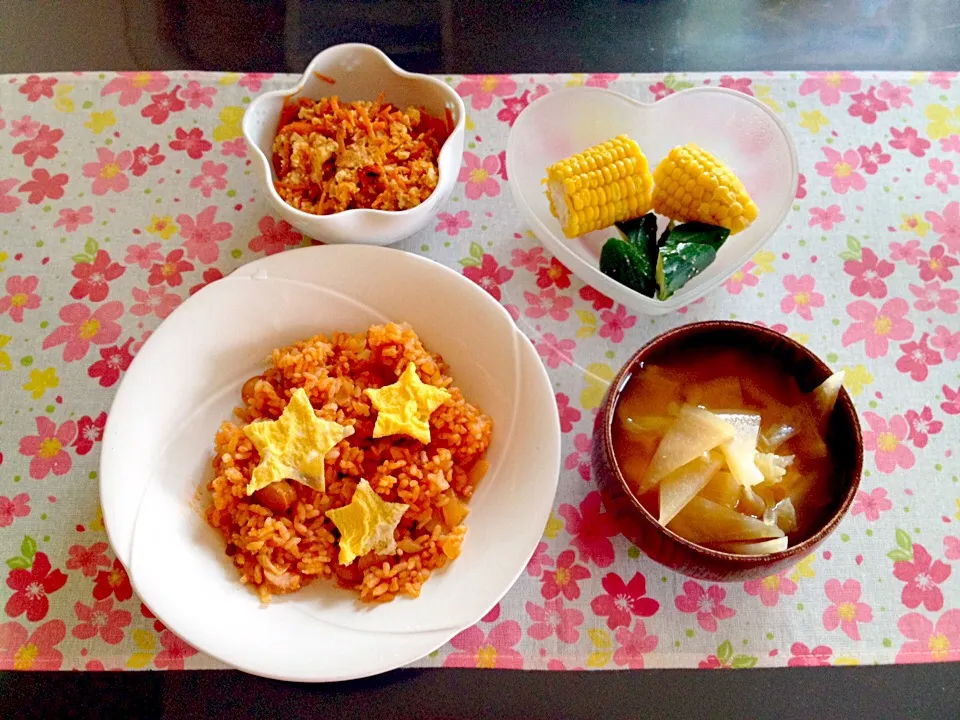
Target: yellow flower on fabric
x=41 y=381
x=294 y=445
x=61 y=98
x=366 y=524
x=146 y=642
x=97 y=523
x=469 y=124
x=162 y=226
x=230 y=79
x=100 y=121
x=5 y=363
x=229 y=127
x=597 y=377
x=813 y=120
x=957 y=516
x=804 y=569
x=405 y=407
x=915 y=224
x=553 y=527
x=576 y=80
x=763 y=261
x=918 y=78
x=944 y=122
x=856 y=378
x=802 y=338
x=3 y=257
x=847 y=661
x=764 y=93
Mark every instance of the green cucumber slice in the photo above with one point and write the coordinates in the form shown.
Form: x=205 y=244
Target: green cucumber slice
x=641 y=232
x=678 y=264
x=699 y=233
x=624 y=263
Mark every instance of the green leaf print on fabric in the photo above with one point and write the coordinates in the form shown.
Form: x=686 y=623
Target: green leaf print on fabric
x=904 y=549
x=89 y=253
x=24 y=561
x=28 y=548
x=476 y=256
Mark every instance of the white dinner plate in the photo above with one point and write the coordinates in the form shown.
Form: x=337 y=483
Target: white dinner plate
x=158 y=447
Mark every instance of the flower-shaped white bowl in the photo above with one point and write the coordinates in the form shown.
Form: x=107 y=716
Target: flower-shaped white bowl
x=740 y=130
x=358 y=72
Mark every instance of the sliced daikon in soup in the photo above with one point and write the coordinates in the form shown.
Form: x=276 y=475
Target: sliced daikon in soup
x=773 y=466
x=642 y=424
x=741 y=450
x=722 y=489
x=751 y=502
x=680 y=486
x=635 y=457
x=702 y=521
x=764 y=547
x=775 y=435
x=650 y=392
x=785 y=515
x=695 y=432
x=825 y=397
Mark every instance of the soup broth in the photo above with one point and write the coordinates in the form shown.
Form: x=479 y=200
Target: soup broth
x=764 y=485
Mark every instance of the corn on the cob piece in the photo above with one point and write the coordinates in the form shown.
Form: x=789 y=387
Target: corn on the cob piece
x=605 y=184
x=691 y=185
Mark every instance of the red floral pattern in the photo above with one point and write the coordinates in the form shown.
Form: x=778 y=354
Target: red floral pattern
x=31 y=588
x=117 y=212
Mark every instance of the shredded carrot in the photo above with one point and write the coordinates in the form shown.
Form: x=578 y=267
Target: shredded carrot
x=300 y=127
x=288 y=112
x=325 y=78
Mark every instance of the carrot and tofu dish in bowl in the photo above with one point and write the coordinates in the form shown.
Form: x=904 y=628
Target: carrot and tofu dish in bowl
x=359 y=150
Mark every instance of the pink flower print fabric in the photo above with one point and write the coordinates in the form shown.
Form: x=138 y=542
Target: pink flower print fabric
x=115 y=213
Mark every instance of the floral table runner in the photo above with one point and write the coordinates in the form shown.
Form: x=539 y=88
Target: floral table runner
x=122 y=194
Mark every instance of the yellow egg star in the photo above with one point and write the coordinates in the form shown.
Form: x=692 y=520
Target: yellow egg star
x=404 y=408
x=366 y=524
x=293 y=446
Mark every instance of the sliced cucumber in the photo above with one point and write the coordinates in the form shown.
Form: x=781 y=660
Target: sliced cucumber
x=660 y=269
x=699 y=233
x=623 y=262
x=641 y=232
x=678 y=264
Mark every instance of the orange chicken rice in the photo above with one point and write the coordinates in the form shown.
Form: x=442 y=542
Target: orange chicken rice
x=328 y=473
x=331 y=156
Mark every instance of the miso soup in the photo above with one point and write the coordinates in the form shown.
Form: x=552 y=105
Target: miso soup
x=725 y=449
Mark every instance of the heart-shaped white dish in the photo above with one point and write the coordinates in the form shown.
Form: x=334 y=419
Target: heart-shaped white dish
x=737 y=128
x=354 y=71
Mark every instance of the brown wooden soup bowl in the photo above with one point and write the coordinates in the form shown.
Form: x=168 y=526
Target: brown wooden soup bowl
x=668 y=548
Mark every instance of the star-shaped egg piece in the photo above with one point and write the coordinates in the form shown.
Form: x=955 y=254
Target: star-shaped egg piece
x=404 y=408
x=294 y=445
x=366 y=523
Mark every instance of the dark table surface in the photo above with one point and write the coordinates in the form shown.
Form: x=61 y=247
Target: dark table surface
x=483 y=36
